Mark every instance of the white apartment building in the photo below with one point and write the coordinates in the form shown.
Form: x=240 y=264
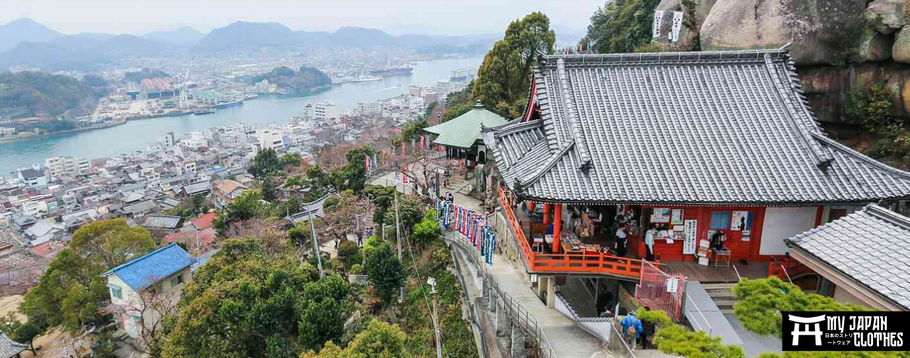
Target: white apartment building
x=57 y=166
x=365 y=108
x=269 y=139
x=325 y=111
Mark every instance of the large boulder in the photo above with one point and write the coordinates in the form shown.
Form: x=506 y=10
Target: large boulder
x=873 y=46
x=888 y=16
x=826 y=87
x=686 y=36
x=821 y=31
x=901 y=49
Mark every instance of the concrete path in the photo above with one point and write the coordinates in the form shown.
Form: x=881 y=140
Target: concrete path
x=566 y=338
x=714 y=322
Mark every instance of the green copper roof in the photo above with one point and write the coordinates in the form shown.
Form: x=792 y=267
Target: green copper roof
x=463 y=131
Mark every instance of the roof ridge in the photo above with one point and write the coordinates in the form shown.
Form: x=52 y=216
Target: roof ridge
x=822 y=157
x=860 y=156
x=512 y=128
x=888 y=215
x=140 y=258
x=571 y=113
x=733 y=55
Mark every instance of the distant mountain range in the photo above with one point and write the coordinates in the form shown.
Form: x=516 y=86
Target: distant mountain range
x=184 y=36
x=240 y=35
x=24 y=29
x=26 y=42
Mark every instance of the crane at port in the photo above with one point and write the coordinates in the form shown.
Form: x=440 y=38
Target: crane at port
x=184 y=97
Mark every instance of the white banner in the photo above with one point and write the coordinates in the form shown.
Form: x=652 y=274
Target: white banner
x=677 y=25
x=691 y=233
x=658 y=18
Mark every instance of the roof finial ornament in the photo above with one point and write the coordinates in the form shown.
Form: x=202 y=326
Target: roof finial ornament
x=477 y=104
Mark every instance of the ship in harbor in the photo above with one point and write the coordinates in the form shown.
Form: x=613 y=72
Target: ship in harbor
x=365 y=78
x=203 y=111
x=392 y=71
x=226 y=104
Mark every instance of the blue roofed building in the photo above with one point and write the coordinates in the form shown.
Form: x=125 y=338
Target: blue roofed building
x=144 y=287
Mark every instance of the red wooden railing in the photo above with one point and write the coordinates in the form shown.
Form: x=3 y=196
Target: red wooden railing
x=786 y=268
x=569 y=263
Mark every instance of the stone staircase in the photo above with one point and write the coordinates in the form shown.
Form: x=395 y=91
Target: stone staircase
x=722 y=294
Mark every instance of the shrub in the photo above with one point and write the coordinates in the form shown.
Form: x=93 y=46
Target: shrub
x=657 y=317
x=356 y=269
x=870 y=106
x=678 y=340
x=762 y=300
x=348 y=252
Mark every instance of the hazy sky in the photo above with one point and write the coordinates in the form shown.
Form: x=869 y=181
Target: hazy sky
x=399 y=16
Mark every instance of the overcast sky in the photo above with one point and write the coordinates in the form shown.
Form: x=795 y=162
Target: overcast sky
x=399 y=16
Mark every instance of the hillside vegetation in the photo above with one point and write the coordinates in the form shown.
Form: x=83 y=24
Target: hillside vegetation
x=306 y=79
x=27 y=94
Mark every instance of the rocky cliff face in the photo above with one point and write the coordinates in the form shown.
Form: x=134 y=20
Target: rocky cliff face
x=836 y=44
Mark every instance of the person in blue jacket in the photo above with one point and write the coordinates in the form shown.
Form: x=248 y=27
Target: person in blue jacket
x=629 y=322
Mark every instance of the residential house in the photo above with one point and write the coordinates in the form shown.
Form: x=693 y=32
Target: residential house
x=32 y=177
x=144 y=287
x=226 y=191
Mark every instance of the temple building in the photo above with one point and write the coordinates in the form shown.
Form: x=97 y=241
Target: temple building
x=717 y=152
x=461 y=135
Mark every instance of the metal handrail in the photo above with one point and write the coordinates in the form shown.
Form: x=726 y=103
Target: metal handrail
x=700 y=313
x=518 y=314
x=786 y=273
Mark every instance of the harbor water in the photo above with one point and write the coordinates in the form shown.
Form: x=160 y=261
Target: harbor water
x=135 y=135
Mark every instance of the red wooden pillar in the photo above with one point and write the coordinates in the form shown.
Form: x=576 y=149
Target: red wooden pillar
x=557 y=226
x=546 y=213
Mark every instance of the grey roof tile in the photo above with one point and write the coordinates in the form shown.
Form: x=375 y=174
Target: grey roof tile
x=696 y=128
x=867 y=254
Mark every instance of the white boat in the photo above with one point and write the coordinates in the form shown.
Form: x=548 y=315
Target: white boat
x=366 y=78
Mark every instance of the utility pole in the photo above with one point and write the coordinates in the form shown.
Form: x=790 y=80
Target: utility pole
x=315 y=241
x=398 y=234
x=432 y=282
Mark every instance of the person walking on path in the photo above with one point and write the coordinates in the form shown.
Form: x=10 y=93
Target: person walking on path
x=631 y=329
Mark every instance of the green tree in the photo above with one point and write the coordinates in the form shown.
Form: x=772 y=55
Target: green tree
x=247 y=206
x=870 y=106
x=384 y=271
x=348 y=252
x=265 y=164
x=245 y=303
x=503 y=79
x=22 y=332
x=426 y=231
x=269 y=190
x=680 y=341
x=378 y=340
x=292 y=159
x=762 y=300
x=621 y=25
x=71 y=291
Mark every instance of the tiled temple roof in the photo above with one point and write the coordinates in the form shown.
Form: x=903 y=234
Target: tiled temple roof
x=697 y=128
x=871 y=246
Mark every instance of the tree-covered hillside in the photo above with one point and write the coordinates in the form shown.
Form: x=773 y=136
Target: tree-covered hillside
x=304 y=80
x=27 y=94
